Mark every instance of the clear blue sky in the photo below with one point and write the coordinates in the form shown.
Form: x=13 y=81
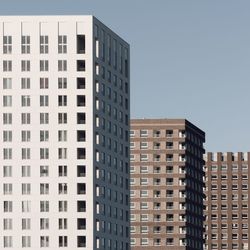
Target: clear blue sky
x=189 y=59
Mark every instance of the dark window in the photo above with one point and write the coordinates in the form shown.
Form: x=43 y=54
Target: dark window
x=81 y=135
x=81 y=206
x=81 y=118
x=81 y=153
x=81 y=241
x=81 y=171
x=81 y=100
x=80 y=65
x=81 y=83
x=80 y=44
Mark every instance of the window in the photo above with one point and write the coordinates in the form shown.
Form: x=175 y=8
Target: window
x=44 y=83
x=7 y=153
x=80 y=65
x=7 y=44
x=62 y=206
x=81 y=153
x=62 y=135
x=144 y=145
x=44 y=153
x=81 y=118
x=62 y=118
x=144 y=241
x=62 y=100
x=44 y=223
x=7 y=241
x=81 y=136
x=7 y=188
x=25 y=47
x=144 y=169
x=44 y=241
x=62 y=223
x=144 y=181
x=44 y=100
x=25 y=83
x=62 y=65
x=62 y=83
x=7 y=206
x=81 y=241
x=80 y=83
x=25 y=135
x=44 y=188
x=25 y=65
x=25 y=153
x=44 y=206
x=81 y=206
x=143 y=133
x=26 y=188
x=44 y=118
x=26 y=241
x=7 y=100
x=81 y=100
x=25 y=171
x=44 y=171
x=7 y=224
x=44 y=135
x=25 y=118
x=62 y=188
x=7 y=65
x=62 y=153
x=7 y=118
x=25 y=100
x=143 y=157
x=26 y=206
x=62 y=44
x=44 y=44
x=44 y=65
x=80 y=44
x=63 y=241
x=7 y=83
x=81 y=171
x=7 y=136
x=62 y=170
x=7 y=171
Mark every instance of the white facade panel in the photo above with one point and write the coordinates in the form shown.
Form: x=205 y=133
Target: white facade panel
x=48 y=124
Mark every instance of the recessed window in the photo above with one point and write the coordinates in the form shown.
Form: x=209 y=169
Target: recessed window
x=80 y=44
x=81 y=65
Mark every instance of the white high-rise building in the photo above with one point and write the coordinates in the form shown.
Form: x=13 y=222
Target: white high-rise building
x=64 y=134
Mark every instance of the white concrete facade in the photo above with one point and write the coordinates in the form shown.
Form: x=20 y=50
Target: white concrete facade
x=64 y=134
